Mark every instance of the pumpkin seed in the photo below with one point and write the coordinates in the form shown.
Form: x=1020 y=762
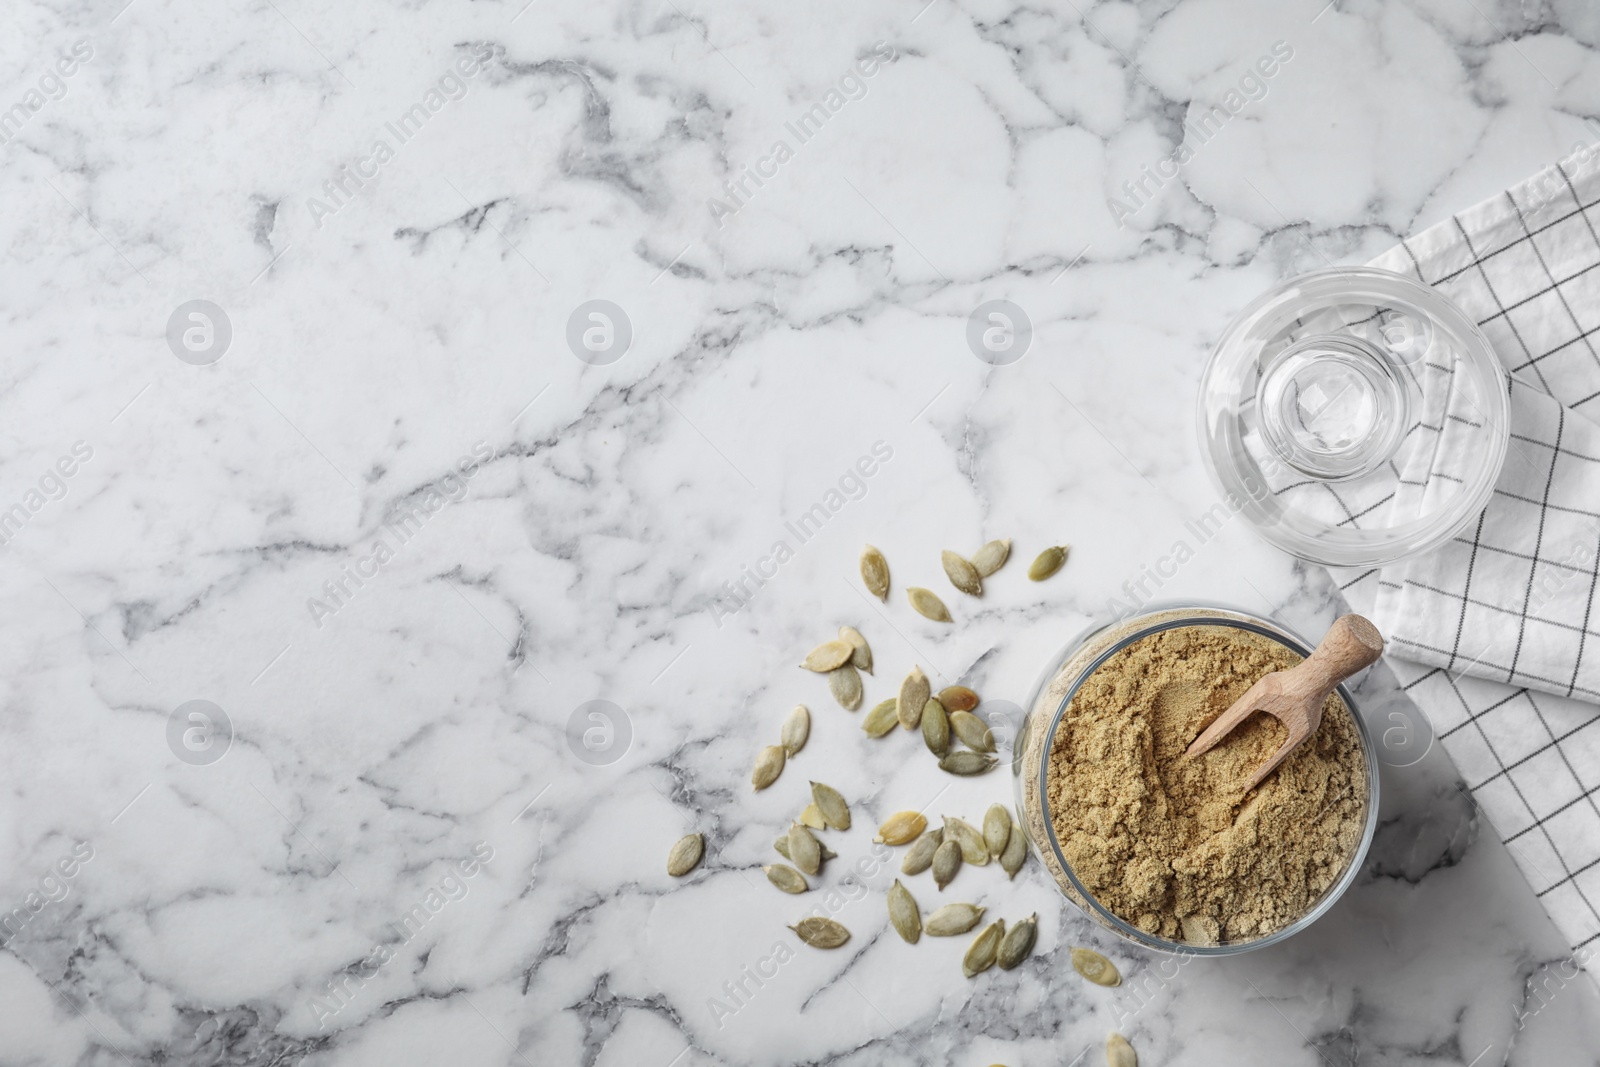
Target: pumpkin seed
x=835 y=812
x=984 y=949
x=919 y=857
x=967 y=764
x=811 y=816
x=782 y=847
x=821 y=933
x=1095 y=967
x=973 y=731
x=796 y=728
x=926 y=604
x=1018 y=942
x=946 y=862
x=958 y=698
x=805 y=851
x=861 y=652
x=685 y=854
x=964 y=834
x=769 y=764
x=953 y=919
x=962 y=574
x=996 y=829
x=1119 y=1053
x=875 y=572
x=828 y=655
x=881 y=719
x=845 y=684
x=1200 y=929
x=902 y=828
x=1048 y=562
x=991 y=557
x=1016 y=852
x=786 y=878
x=935 y=727
x=904 y=913
x=914 y=693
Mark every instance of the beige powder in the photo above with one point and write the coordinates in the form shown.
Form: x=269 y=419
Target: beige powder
x=1177 y=847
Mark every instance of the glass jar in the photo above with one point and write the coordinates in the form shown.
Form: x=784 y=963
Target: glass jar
x=1048 y=704
x=1354 y=417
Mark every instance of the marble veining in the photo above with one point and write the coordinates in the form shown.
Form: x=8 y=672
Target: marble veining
x=531 y=331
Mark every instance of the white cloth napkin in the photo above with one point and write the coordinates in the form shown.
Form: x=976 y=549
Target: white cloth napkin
x=1503 y=623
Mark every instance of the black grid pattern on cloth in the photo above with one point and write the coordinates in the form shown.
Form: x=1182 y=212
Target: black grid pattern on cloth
x=1525 y=268
x=1521 y=267
x=1540 y=790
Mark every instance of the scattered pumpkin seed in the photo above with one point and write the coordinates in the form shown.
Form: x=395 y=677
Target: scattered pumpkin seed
x=811 y=816
x=782 y=847
x=875 y=572
x=835 y=812
x=919 y=857
x=685 y=854
x=769 y=764
x=958 y=698
x=845 y=685
x=1048 y=562
x=983 y=951
x=1095 y=967
x=914 y=693
x=821 y=933
x=964 y=834
x=991 y=557
x=935 y=727
x=926 y=604
x=904 y=913
x=1016 y=852
x=796 y=728
x=828 y=655
x=1017 y=945
x=786 y=878
x=962 y=574
x=902 y=828
x=967 y=764
x=1119 y=1053
x=805 y=851
x=973 y=731
x=996 y=829
x=861 y=652
x=881 y=719
x=946 y=862
x=953 y=919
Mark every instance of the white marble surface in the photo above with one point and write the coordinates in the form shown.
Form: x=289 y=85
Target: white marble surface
x=382 y=341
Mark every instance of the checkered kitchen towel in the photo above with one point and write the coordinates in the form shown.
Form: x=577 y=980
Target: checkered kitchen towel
x=1502 y=625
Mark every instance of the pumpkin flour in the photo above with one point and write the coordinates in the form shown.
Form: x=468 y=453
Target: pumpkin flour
x=1177 y=847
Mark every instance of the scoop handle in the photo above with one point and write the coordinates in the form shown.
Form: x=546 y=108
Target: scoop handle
x=1351 y=644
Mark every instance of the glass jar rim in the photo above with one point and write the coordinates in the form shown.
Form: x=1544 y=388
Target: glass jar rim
x=1236 y=618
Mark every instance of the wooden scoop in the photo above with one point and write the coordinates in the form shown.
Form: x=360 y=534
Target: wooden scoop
x=1294 y=697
